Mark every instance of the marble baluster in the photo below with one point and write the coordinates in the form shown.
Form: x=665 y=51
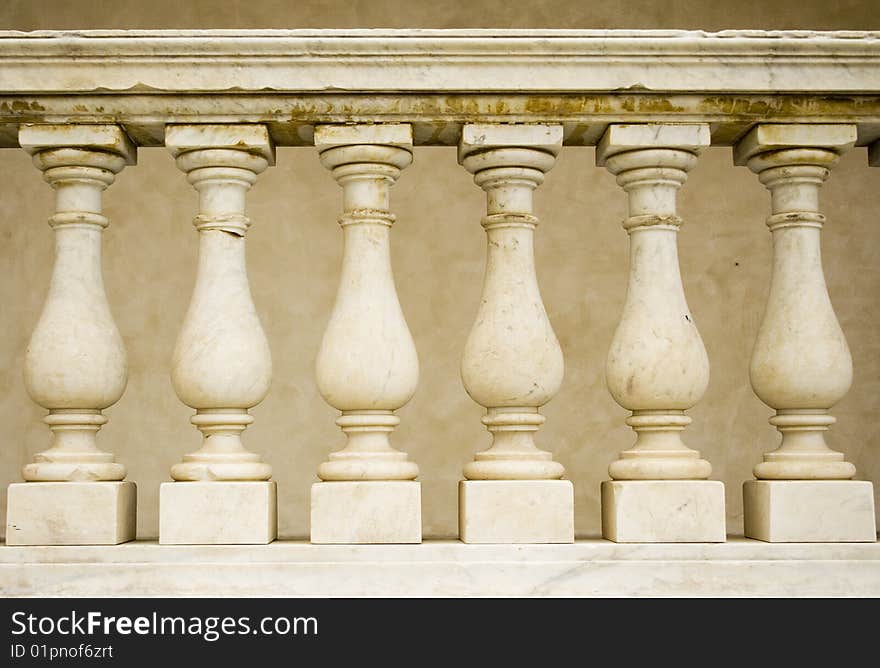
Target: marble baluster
x=657 y=366
x=75 y=363
x=801 y=364
x=512 y=363
x=367 y=367
x=222 y=365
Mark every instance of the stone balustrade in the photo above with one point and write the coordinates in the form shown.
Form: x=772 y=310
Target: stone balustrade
x=788 y=105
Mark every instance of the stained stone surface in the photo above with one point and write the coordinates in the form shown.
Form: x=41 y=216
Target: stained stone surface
x=438 y=255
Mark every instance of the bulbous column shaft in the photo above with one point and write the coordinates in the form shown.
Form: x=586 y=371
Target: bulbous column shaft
x=657 y=366
x=367 y=366
x=512 y=362
x=75 y=363
x=222 y=365
x=801 y=364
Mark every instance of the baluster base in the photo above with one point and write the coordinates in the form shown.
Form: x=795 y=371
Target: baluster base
x=71 y=513
x=663 y=511
x=809 y=511
x=366 y=512
x=516 y=511
x=218 y=513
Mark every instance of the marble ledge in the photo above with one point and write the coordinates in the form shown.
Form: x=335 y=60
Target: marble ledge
x=477 y=60
x=446 y=568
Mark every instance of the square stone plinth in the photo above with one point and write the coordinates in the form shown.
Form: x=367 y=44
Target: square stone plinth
x=218 y=513
x=368 y=511
x=663 y=511
x=71 y=513
x=809 y=511
x=516 y=511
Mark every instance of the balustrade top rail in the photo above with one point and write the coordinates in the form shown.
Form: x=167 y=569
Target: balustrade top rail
x=292 y=80
x=791 y=102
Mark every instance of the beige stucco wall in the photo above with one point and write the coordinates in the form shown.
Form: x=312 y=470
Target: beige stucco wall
x=438 y=247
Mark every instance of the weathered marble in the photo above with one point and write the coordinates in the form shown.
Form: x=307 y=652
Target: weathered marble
x=663 y=511
x=75 y=364
x=222 y=365
x=516 y=511
x=305 y=61
x=369 y=511
x=874 y=154
x=367 y=366
x=809 y=511
x=218 y=512
x=512 y=362
x=71 y=513
x=738 y=568
x=657 y=366
x=801 y=364
x=746 y=61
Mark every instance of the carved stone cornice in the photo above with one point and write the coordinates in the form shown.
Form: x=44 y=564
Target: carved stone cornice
x=436 y=80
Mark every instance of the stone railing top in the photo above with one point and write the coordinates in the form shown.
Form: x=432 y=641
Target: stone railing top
x=438 y=60
x=437 y=79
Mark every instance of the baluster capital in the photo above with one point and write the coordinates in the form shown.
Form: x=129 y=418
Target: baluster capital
x=78 y=161
x=363 y=147
x=250 y=138
x=509 y=156
x=874 y=154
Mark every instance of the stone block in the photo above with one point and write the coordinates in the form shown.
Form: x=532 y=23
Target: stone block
x=368 y=511
x=516 y=511
x=71 y=513
x=663 y=511
x=218 y=513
